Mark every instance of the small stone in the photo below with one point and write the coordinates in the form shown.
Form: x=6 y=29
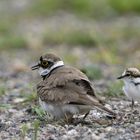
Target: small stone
x=2 y=126
x=72 y=132
x=18 y=100
x=108 y=129
x=8 y=123
x=95 y=137
x=65 y=137
x=121 y=130
x=137 y=124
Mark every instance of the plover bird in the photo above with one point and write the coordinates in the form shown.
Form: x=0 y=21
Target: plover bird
x=65 y=91
x=131 y=88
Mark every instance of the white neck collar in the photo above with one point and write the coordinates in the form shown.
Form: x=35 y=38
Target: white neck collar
x=44 y=72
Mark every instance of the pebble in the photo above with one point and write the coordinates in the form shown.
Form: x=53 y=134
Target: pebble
x=12 y=119
x=137 y=124
x=72 y=132
x=95 y=137
x=108 y=129
x=18 y=100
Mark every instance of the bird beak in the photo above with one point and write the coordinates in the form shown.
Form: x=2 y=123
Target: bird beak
x=121 y=77
x=35 y=67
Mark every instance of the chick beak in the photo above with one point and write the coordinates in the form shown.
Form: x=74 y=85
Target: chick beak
x=121 y=77
x=35 y=67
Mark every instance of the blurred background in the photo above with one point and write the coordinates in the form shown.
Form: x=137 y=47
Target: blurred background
x=100 y=37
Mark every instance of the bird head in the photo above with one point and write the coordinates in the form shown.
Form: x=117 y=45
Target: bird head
x=47 y=63
x=130 y=74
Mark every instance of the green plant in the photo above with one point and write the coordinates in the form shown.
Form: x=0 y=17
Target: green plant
x=36 y=125
x=71 y=37
x=92 y=72
x=5 y=28
x=30 y=97
x=10 y=41
x=24 y=130
x=106 y=54
x=5 y=106
x=125 y=6
x=43 y=7
x=39 y=111
x=115 y=89
x=2 y=90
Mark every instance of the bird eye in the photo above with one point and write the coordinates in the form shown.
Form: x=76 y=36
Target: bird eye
x=44 y=63
x=128 y=74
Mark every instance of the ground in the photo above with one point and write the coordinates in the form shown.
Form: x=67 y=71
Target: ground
x=21 y=117
x=100 y=37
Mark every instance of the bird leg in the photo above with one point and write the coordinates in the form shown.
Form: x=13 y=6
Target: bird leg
x=82 y=121
x=85 y=115
x=132 y=108
x=132 y=104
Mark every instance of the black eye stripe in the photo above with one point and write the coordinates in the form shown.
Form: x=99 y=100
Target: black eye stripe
x=50 y=64
x=41 y=59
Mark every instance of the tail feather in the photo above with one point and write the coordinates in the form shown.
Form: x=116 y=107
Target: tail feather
x=96 y=104
x=103 y=108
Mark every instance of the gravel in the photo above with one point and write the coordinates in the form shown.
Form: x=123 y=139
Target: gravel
x=17 y=120
x=14 y=116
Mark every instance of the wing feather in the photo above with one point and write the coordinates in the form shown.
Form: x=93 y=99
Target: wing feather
x=68 y=85
x=65 y=86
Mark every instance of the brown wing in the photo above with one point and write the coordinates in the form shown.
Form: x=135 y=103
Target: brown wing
x=68 y=85
x=71 y=92
x=64 y=80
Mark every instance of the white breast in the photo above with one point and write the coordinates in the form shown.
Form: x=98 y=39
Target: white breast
x=59 y=111
x=132 y=91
